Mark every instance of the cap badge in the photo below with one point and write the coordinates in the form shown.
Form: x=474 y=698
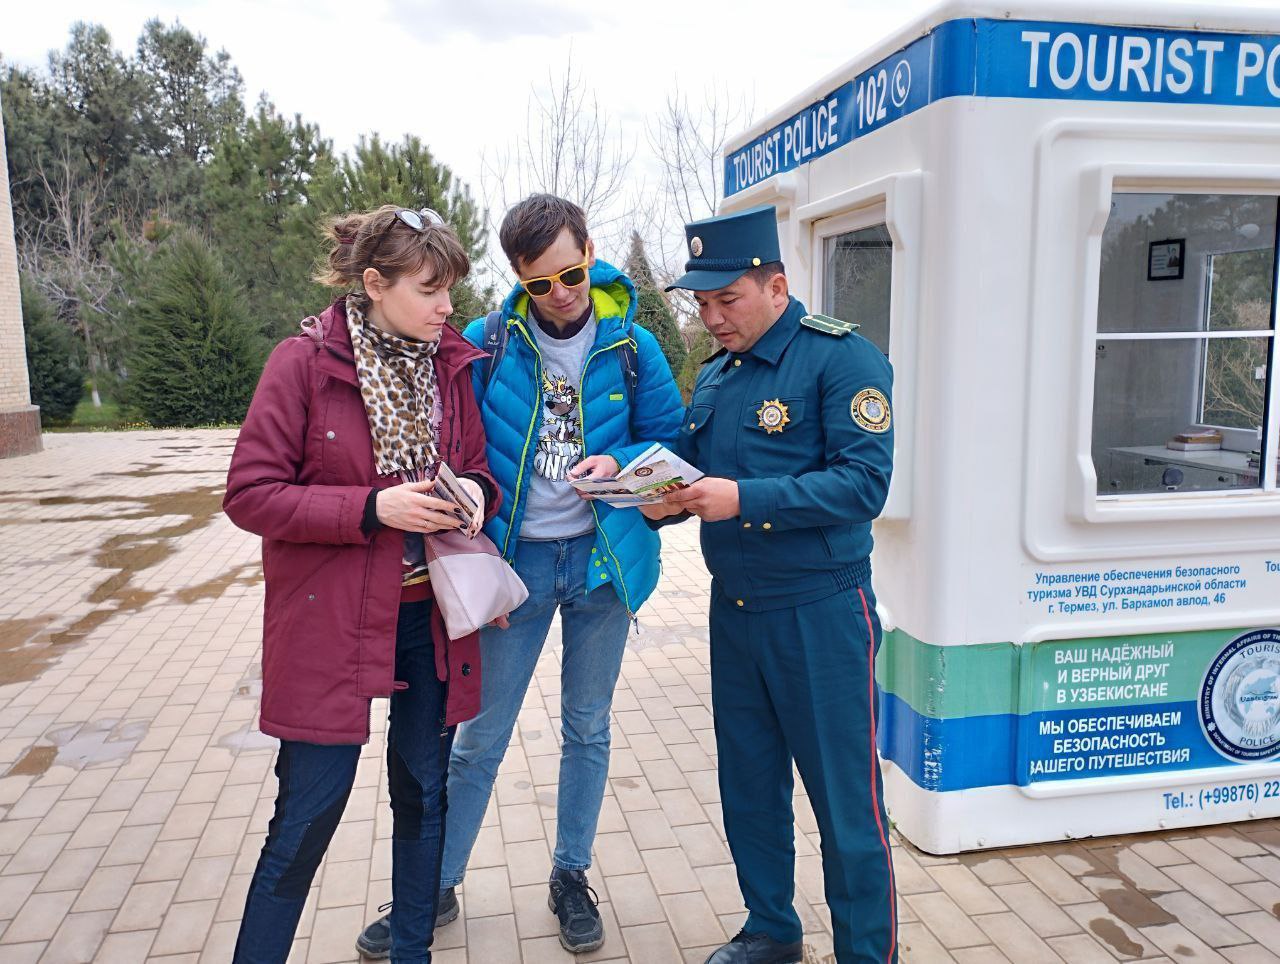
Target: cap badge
x=695 y=247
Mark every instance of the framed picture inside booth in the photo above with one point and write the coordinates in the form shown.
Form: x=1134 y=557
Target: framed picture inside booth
x=1165 y=259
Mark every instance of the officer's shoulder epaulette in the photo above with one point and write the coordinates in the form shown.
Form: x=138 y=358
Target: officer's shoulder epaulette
x=713 y=357
x=828 y=325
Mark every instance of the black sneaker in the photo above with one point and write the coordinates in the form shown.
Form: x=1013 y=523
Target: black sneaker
x=374 y=941
x=574 y=903
x=757 y=949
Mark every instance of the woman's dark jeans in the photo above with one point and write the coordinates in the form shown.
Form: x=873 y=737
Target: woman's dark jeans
x=315 y=782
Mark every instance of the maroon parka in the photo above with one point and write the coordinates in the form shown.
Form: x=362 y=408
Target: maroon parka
x=300 y=475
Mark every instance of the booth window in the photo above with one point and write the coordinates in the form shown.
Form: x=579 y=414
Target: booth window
x=858 y=269
x=1186 y=321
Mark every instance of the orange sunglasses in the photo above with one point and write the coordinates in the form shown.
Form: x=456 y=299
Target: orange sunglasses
x=569 y=277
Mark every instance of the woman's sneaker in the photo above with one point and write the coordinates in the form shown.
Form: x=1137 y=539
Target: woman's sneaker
x=574 y=903
x=374 y=942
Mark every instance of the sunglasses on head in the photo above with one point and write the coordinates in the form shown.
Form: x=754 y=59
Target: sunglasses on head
x=418 y=220
x=569 y=277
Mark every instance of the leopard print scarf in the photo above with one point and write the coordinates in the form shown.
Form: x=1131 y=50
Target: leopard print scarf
x=398 y=385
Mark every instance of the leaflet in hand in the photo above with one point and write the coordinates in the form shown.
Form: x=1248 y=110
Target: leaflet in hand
x=644 y=480
x=447 y=488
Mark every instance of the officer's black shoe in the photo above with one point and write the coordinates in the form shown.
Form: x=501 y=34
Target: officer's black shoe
x=374 y=941
x=757 y=949
x=574 y=903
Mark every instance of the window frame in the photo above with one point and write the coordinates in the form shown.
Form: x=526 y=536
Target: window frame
x=897 y=201
x=1237 y=436
x=1100 y=184
x=1270 y=415
x=873 y=216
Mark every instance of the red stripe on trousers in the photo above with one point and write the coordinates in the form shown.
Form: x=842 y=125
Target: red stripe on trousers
x=875 y=774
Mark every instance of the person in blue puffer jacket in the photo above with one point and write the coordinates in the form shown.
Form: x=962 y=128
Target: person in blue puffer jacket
x=575 y=388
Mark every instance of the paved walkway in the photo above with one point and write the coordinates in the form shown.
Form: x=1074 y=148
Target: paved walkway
x=135 y=789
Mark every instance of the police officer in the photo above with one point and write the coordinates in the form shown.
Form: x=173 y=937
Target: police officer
x=791 y=421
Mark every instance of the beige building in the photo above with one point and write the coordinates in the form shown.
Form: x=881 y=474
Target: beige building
x=19 y=419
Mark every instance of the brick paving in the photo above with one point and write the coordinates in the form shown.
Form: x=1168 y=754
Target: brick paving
x=135 y=789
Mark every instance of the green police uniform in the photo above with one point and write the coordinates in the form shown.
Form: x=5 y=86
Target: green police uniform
x=803 y=421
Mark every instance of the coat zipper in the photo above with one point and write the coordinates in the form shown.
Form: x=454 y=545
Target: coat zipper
x=533 y=422
x=582 y=421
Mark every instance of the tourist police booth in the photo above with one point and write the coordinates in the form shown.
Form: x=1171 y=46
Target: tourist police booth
x=1063 y=232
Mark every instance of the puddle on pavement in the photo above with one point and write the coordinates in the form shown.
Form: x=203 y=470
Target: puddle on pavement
x=26 y=648
x=34 y=762
x=248 y=574
x=1114 y=936
x=247 y=739
x=81 y=745
x=650 y=637
x=250 y=685
x=1134 y=908
x=149 y=473
x=14 y=655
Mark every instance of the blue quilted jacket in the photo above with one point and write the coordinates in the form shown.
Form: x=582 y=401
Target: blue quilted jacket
x=626 y=551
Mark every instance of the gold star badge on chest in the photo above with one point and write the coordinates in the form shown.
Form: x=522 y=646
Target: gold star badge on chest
x=773 y=416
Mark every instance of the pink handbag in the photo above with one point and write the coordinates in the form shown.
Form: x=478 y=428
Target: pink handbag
x=473 y=584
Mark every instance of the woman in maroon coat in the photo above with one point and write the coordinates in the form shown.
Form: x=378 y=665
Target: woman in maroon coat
x=334 y=468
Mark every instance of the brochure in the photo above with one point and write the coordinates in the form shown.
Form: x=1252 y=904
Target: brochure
x=447 y=488
x=644 y=480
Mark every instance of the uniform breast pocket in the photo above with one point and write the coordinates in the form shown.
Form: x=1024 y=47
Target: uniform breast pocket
x=777 y=437
x=698 y=417
x=776 y=417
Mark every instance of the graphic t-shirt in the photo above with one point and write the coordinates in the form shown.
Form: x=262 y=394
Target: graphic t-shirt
x=554 y=510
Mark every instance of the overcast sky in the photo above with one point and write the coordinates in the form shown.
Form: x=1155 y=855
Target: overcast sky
x=458 y=72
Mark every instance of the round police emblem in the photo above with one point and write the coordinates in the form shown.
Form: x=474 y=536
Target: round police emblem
x=870 y=409
x=644 y=472
x=695 y=247
x=773 y=416
x=1240 y=697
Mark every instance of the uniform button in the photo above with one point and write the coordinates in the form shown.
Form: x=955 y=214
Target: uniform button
x=737 y=363
x=693 y=425
x=604 y=575
x=331 y=435
x=746 y=525
x=768 y=525
x=466 y=669
x=593 y=552
x=311 y=597
x=597 y=562
x=741 y=603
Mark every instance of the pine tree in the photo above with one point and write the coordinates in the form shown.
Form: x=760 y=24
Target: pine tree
x=53 y=368
x=196 y=352
x=257 y=192
x=652 y=311
x=407 y=173
x=701 y=347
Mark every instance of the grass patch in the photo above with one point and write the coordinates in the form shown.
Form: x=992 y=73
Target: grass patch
x=112 y=417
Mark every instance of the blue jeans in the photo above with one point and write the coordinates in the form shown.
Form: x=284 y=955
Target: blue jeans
x=315 y=782
x=595 y=637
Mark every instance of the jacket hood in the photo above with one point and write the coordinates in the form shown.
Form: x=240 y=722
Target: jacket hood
x=612 y=295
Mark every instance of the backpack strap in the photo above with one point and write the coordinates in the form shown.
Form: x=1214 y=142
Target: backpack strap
x=630 y=369
x=495 y=343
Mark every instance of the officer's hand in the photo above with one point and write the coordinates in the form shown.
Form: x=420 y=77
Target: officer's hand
x=710 y=499
x=594 y=467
